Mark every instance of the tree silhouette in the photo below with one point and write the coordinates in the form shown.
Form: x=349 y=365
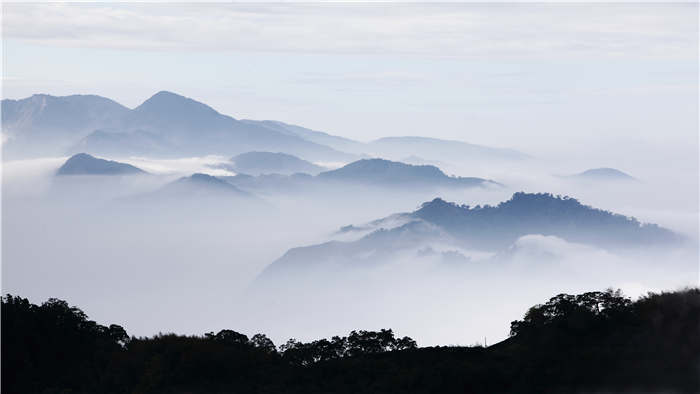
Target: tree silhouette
x=590 y=342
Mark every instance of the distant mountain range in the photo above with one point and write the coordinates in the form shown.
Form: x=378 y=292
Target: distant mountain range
x=450 y=227
x=84 y=164
x=376 y=173
x=201 y=185
x=257 y=163
x=166 y=124
x=604 y=174
x=386 y=172
x=196 y=190
x=44 y=124
x=170 y=125
x=319 y=137
x=367 y=172
x=437 y=149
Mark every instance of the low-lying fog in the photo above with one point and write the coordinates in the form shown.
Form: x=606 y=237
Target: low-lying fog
x=190 y=266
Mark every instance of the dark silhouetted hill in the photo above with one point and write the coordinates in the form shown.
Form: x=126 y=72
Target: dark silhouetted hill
x=482 y=228
x=545 y=214
x=84 y=164
x=590 y=342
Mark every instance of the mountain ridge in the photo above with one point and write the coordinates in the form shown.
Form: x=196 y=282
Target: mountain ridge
x=85 y=164
x=480 y=228
x=183 y=126
x=171 y=125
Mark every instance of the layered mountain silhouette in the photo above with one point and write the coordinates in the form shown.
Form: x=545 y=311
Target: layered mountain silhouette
x=84 y=164
x=166 y=124
x=377 y=173
x=48 y=124
x=604 y=174
x=256 y=163
x=437 y=149
x=540 y=213
x=319 y=137
x=170 y=125
x=398 y=148
x=386 y=172
x=483 y=228
x=198 y=186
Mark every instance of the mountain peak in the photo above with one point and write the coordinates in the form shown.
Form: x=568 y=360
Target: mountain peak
x=85 y=164
x=605 y=173
x=384 y=172
x=199 y=184
x=368 y=167
x=165 y=101
x=437 y=208
x=256 y=163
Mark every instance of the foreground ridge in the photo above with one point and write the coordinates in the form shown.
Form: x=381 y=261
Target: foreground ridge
x=598 y=340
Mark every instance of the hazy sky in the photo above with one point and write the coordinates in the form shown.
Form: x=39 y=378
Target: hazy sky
x=533 y=77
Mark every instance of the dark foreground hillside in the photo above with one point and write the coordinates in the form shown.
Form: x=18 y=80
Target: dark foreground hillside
x=592 y=342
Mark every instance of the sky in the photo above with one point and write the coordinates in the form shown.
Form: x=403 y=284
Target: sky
x=542 y=78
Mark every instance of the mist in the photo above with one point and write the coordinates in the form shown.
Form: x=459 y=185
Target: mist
x=191 y=266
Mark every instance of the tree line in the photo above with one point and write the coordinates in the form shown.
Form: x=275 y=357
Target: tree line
x=571 y=343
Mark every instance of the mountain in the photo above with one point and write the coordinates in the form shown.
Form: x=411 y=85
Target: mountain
x=604 y=174
x=385 y=172
x=171 y=125
x=494 y=227
x=372 y=173
x=84 y=164
x=273 y=184
x=43 y=123
x=130 y=143
x=200 y=186
x=434 y=149
x=399 y=148
x=188 y=127
x=450 y=228
x=378 y=247
x=166 y=124
x=319 y=137
x=256 y=163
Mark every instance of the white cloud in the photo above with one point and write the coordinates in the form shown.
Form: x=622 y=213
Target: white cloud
x=436 y=30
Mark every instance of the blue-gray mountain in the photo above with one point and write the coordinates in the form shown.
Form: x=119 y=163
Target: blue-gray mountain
x=44 y=124
x=166 y=124
x=493 y=227
x=483 y=228
x=199 y=186
x=256 y=163
x=398 y=148
x=386 y=172
x=367 y=172
x=84 y=164
x=319 y=137
x=604 y=174
x=170 y=125
x=437 y=149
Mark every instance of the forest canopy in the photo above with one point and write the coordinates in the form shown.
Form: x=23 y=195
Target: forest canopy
x=591 y=341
